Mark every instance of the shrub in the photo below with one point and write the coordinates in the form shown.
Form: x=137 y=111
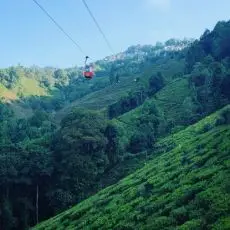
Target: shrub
x=156 y=82
x=140 y=141
x=123 y=227
x=191 y=225
x=159 y=223
x=207 y=127
x=145 y=189
x=180 y=215
x=188 y=195
x=225 y=113
x=224 y=117
x=220 y=121
x=222 y=224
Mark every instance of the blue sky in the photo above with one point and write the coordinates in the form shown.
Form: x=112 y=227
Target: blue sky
x=28 y=37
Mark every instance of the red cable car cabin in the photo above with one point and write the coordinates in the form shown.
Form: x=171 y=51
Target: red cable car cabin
x=88 y=73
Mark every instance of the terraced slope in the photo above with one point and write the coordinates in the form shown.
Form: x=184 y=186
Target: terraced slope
x=102 y=98
x=173 y=104
x=170 y=101
x=185 y=186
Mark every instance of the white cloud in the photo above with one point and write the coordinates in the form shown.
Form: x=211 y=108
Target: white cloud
x=163 y=5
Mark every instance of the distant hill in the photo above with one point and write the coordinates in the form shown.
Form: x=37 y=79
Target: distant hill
x=138 y=53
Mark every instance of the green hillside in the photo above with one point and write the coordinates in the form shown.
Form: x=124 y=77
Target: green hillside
x=185 y=186
x=6 y=94
x=171 y=106
x=100 y=99
x=63 y=139
x=29 y=87
x=170 y=101
x=24 y=87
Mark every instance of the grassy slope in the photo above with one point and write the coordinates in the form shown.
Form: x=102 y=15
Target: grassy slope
x=6 y=93
x=25 y=87
x=169 y=101
x=100 y=99
x=185 y=186
x=29 y=87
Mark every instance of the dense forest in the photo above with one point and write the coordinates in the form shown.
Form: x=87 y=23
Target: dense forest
x=64 y=138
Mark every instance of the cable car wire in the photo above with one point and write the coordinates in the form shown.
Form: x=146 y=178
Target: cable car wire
x=58 y=25
x=98 y=26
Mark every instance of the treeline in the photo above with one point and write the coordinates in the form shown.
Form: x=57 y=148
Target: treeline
x=24 y=159
x=208 y=62
x=11 y=76
x=36 y=162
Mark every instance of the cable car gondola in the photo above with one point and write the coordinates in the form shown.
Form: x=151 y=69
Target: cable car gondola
x=88 y=72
